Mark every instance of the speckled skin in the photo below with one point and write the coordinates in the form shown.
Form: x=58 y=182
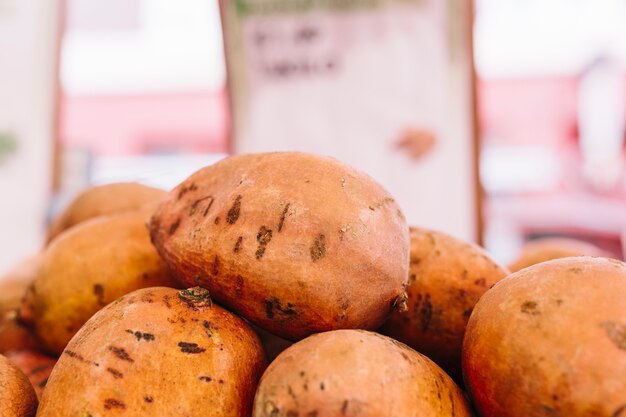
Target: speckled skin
x=356 y=373
x=86 y=268
x=550 y=340
x=296 y=243
x=157 y=352
x=446 y=278
x=36 y=366
x=17 y=397
x=104 y=200
x=547 y=249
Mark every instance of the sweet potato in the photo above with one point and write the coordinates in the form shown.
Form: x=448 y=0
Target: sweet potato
x=85 y=269
x=157 y=352
x=104 y=200
x=546 y=249
x=17 y=397
x=295 y=243
x=356 y=373
x=36 y=366
x=14 y=283
x=446 y=278
x=14 y=335
x=550 y=340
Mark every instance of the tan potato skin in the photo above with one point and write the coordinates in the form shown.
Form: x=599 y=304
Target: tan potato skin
x=295 y=243
x=356 y=373
x=156 y=353
x=86 y=268
x=547 y=249
x=104 y=200
x=36 y=366
x=446 y=278
x=550 y=340
x=17 y=397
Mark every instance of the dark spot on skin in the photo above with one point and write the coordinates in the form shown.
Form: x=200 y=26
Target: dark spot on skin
x=281 y=222
x=121 y=354
x=530 y=307
x=185 y=189
x=166 y=301
x=425 y=312
x=221 y=381
x=263 y=237
x=195 y=298
x=273 y=307
x=616 y=332
x=216 y=265
x=481 y=282
x=194 y=207
x=318 y=248
x=233 y=213
x=79 y=357
x=238 y=244
x=559 y=302
x=467 y=313
x=205 y=378
x=148 y=399
x=412 y=278
x=621 y=411
x=98 y=291
x=575 y=270
x=415 y=260
x=462 y=293
x=116 y=374
x=239 y=286
x=42 y=383
x=187 y=347
x=217 y=220
x=322 y=387
x=148 y=337
x=208 y=207
x=174 y=226
x=111 y=403
x=302 y=373
x=290 y=392
x=344 y=408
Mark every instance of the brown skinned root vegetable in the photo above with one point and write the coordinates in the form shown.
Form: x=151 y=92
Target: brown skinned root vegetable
x=36 y=366
x=446 y=278
x=104 y=200
x=546 y=249
x=14 y=335
x=17 y=397
x=157 y=352
x=550 y=340
x=356 y=373
x=295 y=243
x=86 y=268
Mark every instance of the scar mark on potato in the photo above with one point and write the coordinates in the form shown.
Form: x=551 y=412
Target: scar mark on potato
x=318 y=248
x=237 y=247
x=148 y=399
x=616 y=332
x=619 y=412
x=530 y=307
x=111 y=403
x=481 y=282
x=217 y=220
x=193 y=348
x=263 y=237
x=233 y=213
x=116 y=374
x=121 y=354
x=344 y=408
x=273 y=307
x=98 y=290
x=194 y=206
x=196 y=297
x=216 y=265
x=148 y=337
x=174 y=227
x=381 y=203
x=424 y=310
x=205 y=378
x=79 y=357
x=281 y=223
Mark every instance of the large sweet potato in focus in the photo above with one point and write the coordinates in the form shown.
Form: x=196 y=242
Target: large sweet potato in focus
x=86 y=268
x=157 y=352
x=550 y=340
x=17 y=397
x=295 y=243
x=446 y=278
x=104 y=200
x=356 y=373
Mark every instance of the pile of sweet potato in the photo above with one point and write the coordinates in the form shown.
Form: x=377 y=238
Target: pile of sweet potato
x=290 y=285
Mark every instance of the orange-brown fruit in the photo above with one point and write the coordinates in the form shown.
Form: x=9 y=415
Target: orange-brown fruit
x=17 y=397
x=550 y=340
x=86 y=268
x=14 y=335
x=295 y=243
x=104 y=200
x=36 y=366
x=546 y=249
x=356 y=373
x=447 y=276
x=157 y=352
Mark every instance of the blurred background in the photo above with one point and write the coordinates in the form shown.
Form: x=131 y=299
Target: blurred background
x=499 y=121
